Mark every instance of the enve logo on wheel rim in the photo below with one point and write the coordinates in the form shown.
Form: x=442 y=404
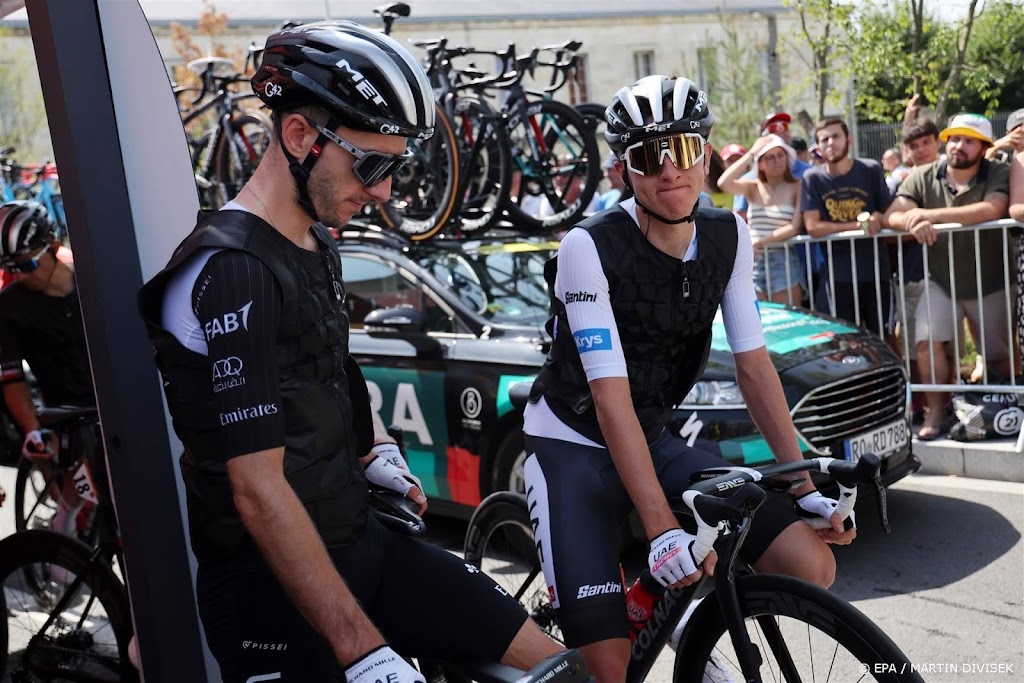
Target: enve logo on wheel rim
x=471 y=402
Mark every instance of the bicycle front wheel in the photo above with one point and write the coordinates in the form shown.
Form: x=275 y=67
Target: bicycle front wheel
x=802 y=632
x=79 y=628
x=499 y=540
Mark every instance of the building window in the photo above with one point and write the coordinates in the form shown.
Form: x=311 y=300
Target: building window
x=578 y=91
x=707 y=68
x=643 y=63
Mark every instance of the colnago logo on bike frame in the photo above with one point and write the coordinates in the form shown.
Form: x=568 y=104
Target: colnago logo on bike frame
x=645 y=639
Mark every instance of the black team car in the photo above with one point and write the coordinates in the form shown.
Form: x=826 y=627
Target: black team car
x=443 y=329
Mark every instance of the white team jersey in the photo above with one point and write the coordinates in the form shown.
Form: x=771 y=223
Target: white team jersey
x=581 y=285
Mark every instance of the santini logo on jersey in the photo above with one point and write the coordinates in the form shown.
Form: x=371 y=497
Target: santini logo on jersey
x=587 y=591
x=579 y=297
x=593 y=339
x=243 y=414
x=228 y=323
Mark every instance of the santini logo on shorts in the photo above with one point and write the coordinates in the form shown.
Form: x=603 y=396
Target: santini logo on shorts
x=228 y=323
x=593 y=339
x=243 y=414
x=579 y=297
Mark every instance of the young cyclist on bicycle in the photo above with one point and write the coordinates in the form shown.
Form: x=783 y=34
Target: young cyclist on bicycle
x=635 y=289
x=251 y=331
x=41 y=323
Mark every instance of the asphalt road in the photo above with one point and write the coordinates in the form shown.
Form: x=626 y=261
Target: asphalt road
x=947 y=584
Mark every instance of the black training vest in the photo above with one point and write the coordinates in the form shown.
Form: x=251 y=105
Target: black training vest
x=322 y=443
x=664 y=309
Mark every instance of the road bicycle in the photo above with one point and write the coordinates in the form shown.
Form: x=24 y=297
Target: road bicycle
x=226 y=153
x=38 y=182
x=755 y=626
x=68 y=616
x=399 y=514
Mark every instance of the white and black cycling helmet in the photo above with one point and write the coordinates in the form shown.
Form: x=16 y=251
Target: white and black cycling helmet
x=366 y=80
x=656 y=106
x=26 y=229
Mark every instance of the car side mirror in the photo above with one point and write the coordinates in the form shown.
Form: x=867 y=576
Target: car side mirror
x=405 y=323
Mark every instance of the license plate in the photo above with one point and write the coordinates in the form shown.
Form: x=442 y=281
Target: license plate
x=880 y=441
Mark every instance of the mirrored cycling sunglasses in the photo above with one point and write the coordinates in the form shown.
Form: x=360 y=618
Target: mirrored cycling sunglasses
x=645 y=158
x=26 y=265
x=370 y=167
x=775 y=128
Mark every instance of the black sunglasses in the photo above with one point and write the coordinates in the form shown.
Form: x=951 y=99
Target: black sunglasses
x=370 y=167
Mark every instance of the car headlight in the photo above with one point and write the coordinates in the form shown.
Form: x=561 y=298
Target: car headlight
x=717 y=394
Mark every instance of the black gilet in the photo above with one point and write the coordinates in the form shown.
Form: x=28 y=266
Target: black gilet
x=324 y=432
x=664 y=309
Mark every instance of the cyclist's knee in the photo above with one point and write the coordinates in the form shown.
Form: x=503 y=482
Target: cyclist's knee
x=799 y=552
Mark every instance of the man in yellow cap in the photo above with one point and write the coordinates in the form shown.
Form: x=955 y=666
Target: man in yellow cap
x=965 y=188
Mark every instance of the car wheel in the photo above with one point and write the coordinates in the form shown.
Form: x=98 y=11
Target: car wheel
x=508 y=473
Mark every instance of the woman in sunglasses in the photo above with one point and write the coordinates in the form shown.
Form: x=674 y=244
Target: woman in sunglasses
x=251 y=332
x=773 y=196
x=41 y=324
x=635 y=292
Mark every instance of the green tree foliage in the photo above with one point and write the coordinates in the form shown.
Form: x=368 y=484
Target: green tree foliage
x=823 y=30
x=735 y=75
x=993 y=75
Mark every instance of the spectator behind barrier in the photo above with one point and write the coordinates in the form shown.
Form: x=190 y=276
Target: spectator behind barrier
x=610 y=198
x=774 y=196
x=964 y=188
x=895 y=171
x=774 y=124
x=1017 y=213
x=799 y=146
x=1012 y=142
x=834 y=195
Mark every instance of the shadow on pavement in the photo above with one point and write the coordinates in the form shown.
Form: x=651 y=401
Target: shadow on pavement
x=936 y=540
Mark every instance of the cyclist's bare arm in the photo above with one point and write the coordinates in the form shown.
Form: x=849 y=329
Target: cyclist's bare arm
x=286 y=537
x=18 y=399
x=628 y=447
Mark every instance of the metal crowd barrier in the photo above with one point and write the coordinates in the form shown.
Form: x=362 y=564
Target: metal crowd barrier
x=1011 y=231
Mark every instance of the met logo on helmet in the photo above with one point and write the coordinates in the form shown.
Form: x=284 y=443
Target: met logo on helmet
x=364 y=87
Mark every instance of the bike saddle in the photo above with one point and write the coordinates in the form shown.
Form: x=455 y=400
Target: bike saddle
x=397 y=9
x=57 y=416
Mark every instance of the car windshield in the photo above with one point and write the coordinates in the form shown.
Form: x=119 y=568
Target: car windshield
x=502 y=281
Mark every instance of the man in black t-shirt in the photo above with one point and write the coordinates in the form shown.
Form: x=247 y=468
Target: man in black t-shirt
x=834 y=195
x=295 y=578
x=41 y=324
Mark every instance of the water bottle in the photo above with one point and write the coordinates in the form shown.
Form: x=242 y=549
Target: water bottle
x=640 y=601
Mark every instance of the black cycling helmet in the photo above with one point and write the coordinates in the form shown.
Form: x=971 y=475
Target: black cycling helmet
x=364 y=79
x=25 y=229
x=656 y=106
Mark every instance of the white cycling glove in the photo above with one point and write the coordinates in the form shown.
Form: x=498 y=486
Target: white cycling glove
x=816 y=505
x=382 y=664
x=671 y=558
x=389 y=470
x=34 y=446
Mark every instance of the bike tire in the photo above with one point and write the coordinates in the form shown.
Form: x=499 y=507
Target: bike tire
x=571 y=157
x=802 y=615
x=423 y=194
x=233 y=170
x=499 y=541
x=486 y=165
x=89 y=640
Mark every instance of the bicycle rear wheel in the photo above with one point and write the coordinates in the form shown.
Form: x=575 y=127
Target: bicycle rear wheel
x=79 y=629
x=499 y=540
x=423 y=197
x=486 y=165
x=803 y=633
x=238 y=152
x=566 y=172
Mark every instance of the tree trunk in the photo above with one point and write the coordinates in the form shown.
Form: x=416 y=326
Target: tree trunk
x=953 y=80
x=917 y=12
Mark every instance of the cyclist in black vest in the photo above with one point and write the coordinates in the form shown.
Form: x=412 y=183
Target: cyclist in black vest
x=41 y=323
x=251 y=333
x=635 y=290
